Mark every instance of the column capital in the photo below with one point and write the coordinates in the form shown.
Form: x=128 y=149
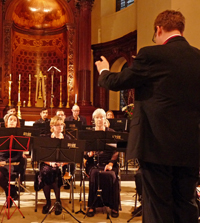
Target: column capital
x=84 y=4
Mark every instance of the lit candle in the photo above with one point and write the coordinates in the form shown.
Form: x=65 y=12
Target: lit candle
x=10 y=77
x=30 y=77
x=75 y=98
x=60 y=78
x=19 y=77
x=18 y=97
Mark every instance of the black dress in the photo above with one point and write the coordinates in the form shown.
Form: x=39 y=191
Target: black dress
x=47 y=174
x=108 y=180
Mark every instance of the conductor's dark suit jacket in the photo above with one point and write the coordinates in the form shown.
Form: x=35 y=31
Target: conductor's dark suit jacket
x=166 y=78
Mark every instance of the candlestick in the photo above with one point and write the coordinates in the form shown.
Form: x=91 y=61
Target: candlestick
x=60 y=104
x=29 y=92
x=19 y=102
x=67 y=105
x=19 y=97
x=19 y=112
x=51 y=106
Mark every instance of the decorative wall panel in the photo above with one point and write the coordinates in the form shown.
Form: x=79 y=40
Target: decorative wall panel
x=31 y=55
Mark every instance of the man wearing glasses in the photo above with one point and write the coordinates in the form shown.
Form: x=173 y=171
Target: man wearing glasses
x=164 y=129
x=75 y=115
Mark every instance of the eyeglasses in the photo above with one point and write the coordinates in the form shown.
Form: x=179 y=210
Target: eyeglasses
x=154 y=36
x=59 y=125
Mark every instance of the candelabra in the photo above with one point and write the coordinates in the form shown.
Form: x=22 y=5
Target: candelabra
x=9 y=93
x=60 y=104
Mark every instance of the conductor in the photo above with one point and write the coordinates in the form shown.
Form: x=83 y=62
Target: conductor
x=164 y=129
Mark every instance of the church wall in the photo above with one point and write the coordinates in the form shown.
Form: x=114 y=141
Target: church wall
x=111 y=25
x=190 y=9
x=146 y=14
x=108 y=25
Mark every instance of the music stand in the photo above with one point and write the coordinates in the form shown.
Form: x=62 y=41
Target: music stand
x=91 y=138
x=11 y=140
x=22 y=122
x=73 y=125
x=58 y=150
x=118 y=124
x=44 y=128
x=121 y=138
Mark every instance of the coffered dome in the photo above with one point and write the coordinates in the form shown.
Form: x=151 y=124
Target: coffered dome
x=39 y=14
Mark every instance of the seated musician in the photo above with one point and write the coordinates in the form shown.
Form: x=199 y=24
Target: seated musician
x=11 y=110
x=110 y=115
x=107 y=171
x=75 y=115
x=17 y=157
x=44 y=116
x=50 y=174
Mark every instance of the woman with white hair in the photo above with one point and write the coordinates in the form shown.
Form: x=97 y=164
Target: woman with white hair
x=106 y=172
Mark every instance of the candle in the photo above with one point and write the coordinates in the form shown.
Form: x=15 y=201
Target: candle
x=18 y=97
x=19 y=77
x=75 y=98
x=30 y=77
x=10 y=77
x=60 y=78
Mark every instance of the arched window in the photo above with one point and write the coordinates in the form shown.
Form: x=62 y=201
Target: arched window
x=121 y=4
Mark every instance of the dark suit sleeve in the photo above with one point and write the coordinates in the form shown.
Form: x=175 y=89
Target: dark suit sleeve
x=131 y=77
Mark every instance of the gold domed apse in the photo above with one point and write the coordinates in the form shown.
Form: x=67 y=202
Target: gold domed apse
x=39 y=14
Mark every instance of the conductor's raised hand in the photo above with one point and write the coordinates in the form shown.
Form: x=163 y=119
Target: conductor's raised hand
x=102 y=64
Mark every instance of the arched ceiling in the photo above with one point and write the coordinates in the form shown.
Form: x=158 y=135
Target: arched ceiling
x=39 y=14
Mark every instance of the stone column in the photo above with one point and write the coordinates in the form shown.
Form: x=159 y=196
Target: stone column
x=84 y=63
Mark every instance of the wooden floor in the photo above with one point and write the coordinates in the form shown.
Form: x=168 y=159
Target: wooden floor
x=28 y=207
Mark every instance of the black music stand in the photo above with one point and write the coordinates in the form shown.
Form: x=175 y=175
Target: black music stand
x=58 y=150
x=44 y=128
x=80 y=145
x=91 y=138
x=73 y=125
x=119 y=124
x=11 y=141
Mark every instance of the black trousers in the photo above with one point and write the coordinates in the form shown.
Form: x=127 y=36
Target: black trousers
x=169 y=193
